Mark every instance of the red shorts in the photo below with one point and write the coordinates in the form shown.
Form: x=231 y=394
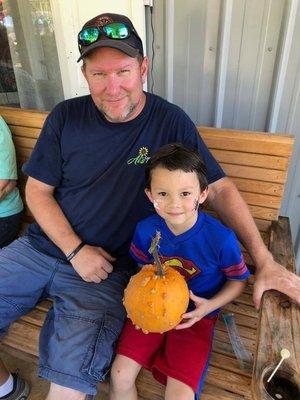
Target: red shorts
x=179 y=354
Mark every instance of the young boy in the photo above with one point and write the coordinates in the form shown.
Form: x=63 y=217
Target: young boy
x=205 y=252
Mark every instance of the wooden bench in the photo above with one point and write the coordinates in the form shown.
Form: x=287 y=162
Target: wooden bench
x=258 y=164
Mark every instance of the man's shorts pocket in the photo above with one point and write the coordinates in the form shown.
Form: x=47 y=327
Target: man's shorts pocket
x=101 y=350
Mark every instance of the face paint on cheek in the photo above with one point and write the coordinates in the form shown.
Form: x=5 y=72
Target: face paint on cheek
x=155 y=205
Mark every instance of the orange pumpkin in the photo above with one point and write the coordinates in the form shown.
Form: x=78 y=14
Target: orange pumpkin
x=156 y=297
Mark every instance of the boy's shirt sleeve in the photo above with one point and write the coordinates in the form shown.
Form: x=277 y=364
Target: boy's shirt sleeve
x=232 y=262
x=139 y=248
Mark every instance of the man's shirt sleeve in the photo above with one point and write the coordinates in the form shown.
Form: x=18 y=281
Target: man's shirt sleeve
x=45 y=163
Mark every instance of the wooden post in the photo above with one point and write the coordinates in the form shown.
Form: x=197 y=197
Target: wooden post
x=279 y=327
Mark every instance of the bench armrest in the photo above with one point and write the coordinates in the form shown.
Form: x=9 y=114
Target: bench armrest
x=279 y=319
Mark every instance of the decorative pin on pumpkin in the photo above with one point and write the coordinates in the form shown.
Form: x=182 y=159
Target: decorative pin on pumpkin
x=157 y=296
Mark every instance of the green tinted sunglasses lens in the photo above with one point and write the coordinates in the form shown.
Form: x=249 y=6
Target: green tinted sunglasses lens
x=88 y=36
x=116 y=30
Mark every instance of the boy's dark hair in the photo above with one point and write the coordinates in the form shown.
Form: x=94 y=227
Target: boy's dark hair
x=175 y=156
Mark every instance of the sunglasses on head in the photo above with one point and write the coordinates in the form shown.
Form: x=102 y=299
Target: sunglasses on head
x=115 y=30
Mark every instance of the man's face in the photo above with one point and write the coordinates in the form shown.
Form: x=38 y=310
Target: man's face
x=116 y=83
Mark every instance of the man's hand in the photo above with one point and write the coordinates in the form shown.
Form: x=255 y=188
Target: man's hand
x=203 y=307
x=272 y=275
x=93 y=264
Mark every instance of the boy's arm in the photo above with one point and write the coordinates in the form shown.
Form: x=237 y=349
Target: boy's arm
x=230 y=291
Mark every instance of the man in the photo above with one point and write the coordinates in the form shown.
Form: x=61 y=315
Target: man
x=85 y=190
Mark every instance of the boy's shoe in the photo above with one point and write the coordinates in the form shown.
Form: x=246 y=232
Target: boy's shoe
x=90 y=397
x=20 y=391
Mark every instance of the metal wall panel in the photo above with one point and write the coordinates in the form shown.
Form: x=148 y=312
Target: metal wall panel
x=234 y=64
x=289 y=121
x=251 y=62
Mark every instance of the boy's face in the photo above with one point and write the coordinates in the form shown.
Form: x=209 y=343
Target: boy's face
x=176 y=196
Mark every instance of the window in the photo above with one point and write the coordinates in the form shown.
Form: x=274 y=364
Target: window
x=29 y=68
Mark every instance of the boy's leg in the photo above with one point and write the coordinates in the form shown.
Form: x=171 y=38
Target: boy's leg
x=177 y=390
x=122 y=379
x=186 y=355
x=135 y=349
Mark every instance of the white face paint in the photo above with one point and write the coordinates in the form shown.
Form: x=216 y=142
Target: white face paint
x=155 y=204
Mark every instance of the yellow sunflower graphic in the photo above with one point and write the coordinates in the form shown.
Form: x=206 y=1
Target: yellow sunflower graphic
x=143 y=151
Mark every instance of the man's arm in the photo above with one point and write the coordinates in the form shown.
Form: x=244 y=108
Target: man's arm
x=6 y=186
x=91 y=263
x=225 y=199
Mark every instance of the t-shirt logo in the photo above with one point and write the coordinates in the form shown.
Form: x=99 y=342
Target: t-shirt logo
x=186 y=267
x=141 y=158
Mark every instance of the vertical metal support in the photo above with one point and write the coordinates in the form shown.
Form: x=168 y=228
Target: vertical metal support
x=289 y=27
x=223 y=61
x=169 y=49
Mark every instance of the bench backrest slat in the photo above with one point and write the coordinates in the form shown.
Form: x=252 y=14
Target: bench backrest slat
x=256 y=162
x=22 y=117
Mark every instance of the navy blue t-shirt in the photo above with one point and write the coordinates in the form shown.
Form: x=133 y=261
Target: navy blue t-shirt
x=97 y=168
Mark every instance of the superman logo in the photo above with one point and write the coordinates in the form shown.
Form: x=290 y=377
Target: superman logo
x=186 y=267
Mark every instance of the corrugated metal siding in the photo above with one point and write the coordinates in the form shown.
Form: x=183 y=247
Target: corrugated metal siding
x=234 y=64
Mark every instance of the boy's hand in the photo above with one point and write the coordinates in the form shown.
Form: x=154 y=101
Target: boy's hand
x=203 y=307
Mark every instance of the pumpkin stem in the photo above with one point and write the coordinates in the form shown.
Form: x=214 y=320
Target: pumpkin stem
x=153 y=250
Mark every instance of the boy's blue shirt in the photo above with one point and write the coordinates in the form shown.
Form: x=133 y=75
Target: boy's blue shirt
x=206 y=255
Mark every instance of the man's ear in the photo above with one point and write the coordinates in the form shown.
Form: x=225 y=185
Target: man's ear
x=203 y=196
x=149 y=195
x=83 y=70
x=144 y=68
